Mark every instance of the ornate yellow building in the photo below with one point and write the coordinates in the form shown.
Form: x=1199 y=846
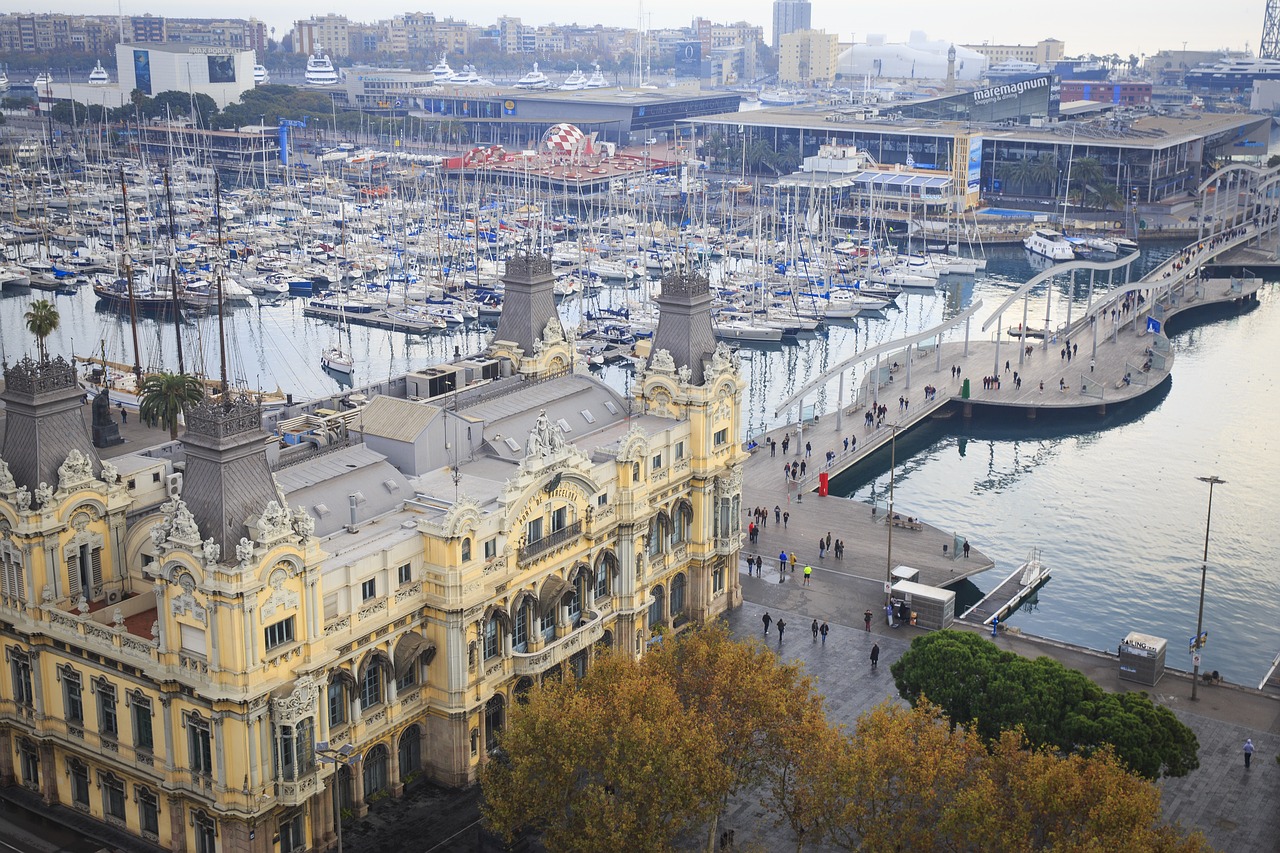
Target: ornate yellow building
x=183 y=625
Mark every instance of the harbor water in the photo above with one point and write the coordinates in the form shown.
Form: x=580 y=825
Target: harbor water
x=1112 y=502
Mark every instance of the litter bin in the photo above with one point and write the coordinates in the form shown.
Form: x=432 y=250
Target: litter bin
x=964 y=390
x=823 y=479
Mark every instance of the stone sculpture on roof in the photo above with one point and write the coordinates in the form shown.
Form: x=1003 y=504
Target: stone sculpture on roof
x=545 y=438
x=75 y=471
x=6 y=478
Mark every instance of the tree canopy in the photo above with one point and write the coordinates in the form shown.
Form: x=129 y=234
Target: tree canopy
x=972 y=680
x=644 y=755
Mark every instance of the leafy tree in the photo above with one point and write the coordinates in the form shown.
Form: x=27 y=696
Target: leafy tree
x=164 y=396
x=611 y=762
x=42 y=319
x=752 y=701
x=972 y=680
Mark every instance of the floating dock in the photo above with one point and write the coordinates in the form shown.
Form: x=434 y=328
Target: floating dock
x=1002 y=601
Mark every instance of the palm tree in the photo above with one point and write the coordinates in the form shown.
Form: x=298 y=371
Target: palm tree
x=42 y=318
x=164 y=396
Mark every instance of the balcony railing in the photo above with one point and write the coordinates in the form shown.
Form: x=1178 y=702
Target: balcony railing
x=554 y=539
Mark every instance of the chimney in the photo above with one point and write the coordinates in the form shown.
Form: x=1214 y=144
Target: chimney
x=352 y=500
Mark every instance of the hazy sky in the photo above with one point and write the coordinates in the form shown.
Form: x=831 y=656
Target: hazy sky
x=1097 y=26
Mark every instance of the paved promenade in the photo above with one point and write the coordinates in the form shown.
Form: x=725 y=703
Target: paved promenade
x=1236 y=809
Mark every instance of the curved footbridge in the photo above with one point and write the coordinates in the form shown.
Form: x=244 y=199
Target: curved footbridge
x=1119 y=353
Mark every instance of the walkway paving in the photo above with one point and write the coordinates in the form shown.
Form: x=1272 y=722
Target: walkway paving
x=1236 y=809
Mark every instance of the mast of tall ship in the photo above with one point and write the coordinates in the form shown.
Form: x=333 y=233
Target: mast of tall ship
x=173 y=273
x=217 y=278
x=128 y=275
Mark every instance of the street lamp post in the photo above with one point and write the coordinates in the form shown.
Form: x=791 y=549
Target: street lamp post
x=1204 y=568
x=344 y=757
x=888 y=557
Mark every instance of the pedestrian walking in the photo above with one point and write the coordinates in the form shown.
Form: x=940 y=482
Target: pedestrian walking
x=1091 y=365
x=875 y=655
x=822 y=549
x=777 y=514
x=782 y=561
x=828 y=540
x=759 y=565
x=966 y=550
x=866 y=619
x=846 y=445
x=781 y=626
x=1248 y=752
x=808 y=574
x=824 y=630
x=766 y=619
x=773 y=447
x=814 y=629
x=786 y=516
x=124 y=415
x=791 y=561
x=808 y=448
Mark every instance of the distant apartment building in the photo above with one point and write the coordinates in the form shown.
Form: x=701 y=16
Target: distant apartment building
x=235 y=33
x=790 y=16
x=25 y=33
x=415 y=32
x=1042 y=52
x=147 y=28
x=329 y=34
x=808 y=58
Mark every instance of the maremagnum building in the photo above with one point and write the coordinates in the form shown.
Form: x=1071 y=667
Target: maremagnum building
x=384 y=575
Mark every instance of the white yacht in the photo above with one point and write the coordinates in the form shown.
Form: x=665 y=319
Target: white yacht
x=576 y=80
x=98 y=76
x=442 y=72
x=468 y=77
x=4 y=82
x=43 y=79
x=261 y=76
x=1049 y=244
x=535 y=79
x=596 y=81
x=320 y=70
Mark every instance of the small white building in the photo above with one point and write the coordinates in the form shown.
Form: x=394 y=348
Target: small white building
x=919 y=58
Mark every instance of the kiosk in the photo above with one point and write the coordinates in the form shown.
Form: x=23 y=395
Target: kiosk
x=930 y=606
x=1142 y=658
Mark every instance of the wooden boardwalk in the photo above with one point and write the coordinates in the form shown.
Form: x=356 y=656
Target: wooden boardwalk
x=1110 y=342
x=1010 y=593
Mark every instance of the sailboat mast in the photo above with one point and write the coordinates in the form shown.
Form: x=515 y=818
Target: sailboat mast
x=173 y=274
x=128 y=275
x=217 y=278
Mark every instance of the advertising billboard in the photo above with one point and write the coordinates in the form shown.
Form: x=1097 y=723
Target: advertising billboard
x=142 y=71
x=974 y=180
x=222 y=69
x=689 y=59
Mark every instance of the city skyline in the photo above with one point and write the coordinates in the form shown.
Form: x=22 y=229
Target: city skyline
x=1128 y=29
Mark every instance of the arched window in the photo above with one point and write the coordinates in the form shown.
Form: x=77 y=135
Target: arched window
x=549 y=623
x=657 y=527
x=492 y=637
x=635 y=473
x=375 y=770
x=520 y=640
x=605 y=569
x=574 y=605
x=677 y=595
x=682 y=523
x=466 y=549
x=371 y=686
x=410 y=751
x=523 y=686
x=494 y=720
x=657 y=612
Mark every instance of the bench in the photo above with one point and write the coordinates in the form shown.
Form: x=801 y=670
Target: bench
x=906 y=524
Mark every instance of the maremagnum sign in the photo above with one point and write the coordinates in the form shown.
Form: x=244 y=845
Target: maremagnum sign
x=1008 y=91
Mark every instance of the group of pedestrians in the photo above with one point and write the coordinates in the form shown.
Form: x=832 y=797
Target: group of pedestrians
x=819 y=632
x=794 y=470
x=876 y=415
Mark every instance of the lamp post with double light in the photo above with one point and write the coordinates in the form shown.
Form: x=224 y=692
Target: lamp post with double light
x=1204 y=569
x=343 y=756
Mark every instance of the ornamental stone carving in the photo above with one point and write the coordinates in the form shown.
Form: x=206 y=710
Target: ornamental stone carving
x=723 y=359
x=210 y=551
x=303 y=525
x=299 y=704
x=44 y=496
x=544 y=439
x=635 y=445
x=23 y=499
x=662 y=362
x=183 y=527
x=7 y=483
x=274 y=524
x=244 y=552
x=110 y=474
x=75 y=471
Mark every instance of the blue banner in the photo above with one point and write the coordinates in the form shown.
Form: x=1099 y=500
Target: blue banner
x=1153 y=325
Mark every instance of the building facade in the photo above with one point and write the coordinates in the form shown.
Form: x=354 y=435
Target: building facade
x=808 y=58
x=1044 y=52
x=190 y=628
x=318 y=34
x=790 y=16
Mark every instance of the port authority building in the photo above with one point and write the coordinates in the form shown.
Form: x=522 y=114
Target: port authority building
x=1011 y=141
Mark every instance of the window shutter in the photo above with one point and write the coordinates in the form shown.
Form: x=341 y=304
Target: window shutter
x=73 y=574
x=96 y=556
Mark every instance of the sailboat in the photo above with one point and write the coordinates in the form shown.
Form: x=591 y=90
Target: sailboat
x=335 y=358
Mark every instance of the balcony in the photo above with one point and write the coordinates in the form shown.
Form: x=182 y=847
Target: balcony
x=532 y=663
x=551 y=541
